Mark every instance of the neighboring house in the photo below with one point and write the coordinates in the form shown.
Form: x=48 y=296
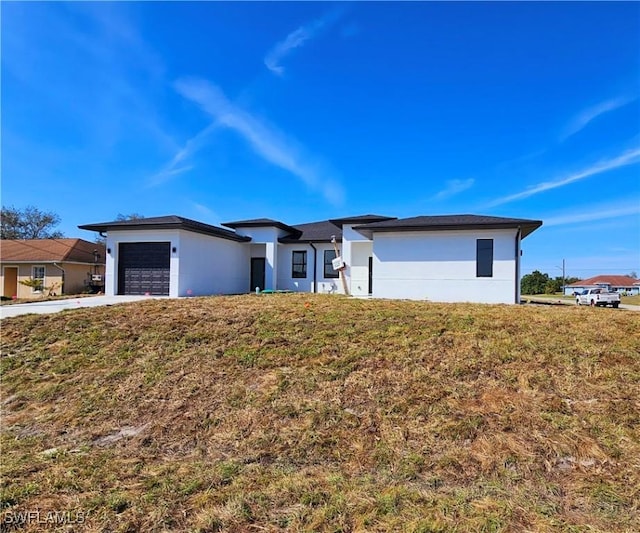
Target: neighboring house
x=621 y=284
x=458 y=258
x=67 y=266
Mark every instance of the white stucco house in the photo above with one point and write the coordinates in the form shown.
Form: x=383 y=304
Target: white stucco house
x=452 y=258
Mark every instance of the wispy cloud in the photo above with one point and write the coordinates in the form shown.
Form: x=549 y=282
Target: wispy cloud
x=168 y=173
x=178 y=164
x=629 y=157
x=203 y=210
x=590 y=213
x=580 y=121
x=113 y=92
x=271 y=144
x=298 y=38
x=454 y=187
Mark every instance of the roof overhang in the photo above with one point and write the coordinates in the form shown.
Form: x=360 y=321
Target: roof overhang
x=183 y=224
x=293 y=240
x=362 y=219
x=525 y=228
x=9 y=262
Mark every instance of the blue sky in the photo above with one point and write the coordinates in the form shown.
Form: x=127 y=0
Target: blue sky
x=308 y=111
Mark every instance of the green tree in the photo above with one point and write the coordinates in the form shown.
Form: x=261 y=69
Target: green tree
x=553 y=285
x=534 y=283
x=28 y=223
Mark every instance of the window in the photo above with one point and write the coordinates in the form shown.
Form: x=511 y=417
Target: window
x=38 y=278
x=299 y=264
x=329 y=256
x=484 y=258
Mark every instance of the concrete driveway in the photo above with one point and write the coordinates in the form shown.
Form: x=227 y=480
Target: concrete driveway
x=54 y=306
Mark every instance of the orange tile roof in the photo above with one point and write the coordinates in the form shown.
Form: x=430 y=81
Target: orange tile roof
x=50 y=250
x=614 y=281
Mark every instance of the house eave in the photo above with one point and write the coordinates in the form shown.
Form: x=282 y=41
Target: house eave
x=288 y=240
x=369 y=229
x=360 y=220
x=211 y=230
x=9 y=262
x=250 y=224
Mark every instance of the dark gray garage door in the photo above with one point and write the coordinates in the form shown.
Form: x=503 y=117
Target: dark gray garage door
x=144 y=267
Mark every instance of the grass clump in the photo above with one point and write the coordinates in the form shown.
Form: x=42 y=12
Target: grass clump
x=315 y=413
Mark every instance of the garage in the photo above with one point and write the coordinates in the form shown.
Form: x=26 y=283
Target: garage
x=144 y=268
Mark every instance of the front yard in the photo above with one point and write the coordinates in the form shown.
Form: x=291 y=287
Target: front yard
x=629 y=300
x=304 y=412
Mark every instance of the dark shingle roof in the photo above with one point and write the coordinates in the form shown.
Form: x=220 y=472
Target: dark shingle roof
x=321 y=231
x=361 y=219
x=259 y=223
x=167 y=222
x=452 y=222
x=50 y=250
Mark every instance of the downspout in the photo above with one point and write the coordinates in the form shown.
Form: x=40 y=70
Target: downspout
x=315 y=267
x=517 y=284
x=63 y=273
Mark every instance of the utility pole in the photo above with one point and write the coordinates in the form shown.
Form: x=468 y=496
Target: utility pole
x=563 y=275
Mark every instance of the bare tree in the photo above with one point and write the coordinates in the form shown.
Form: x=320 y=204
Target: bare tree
x=28 y=223
x=132 y=216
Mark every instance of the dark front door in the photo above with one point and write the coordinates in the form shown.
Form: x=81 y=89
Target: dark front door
x=371 y=275
x=144 y=268
x=257 y=273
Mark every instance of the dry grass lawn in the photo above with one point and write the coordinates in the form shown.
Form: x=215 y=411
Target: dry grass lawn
x=318 y=413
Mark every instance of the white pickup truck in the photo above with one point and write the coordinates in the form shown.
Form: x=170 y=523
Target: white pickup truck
x=598 y=297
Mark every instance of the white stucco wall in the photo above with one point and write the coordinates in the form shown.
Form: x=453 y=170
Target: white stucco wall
x=210 y=265
x=356 y=250
x=285 y=281
x=358 y=269
x=441 y=266
x=262 y=234
x=327 y=285
x=351 y=235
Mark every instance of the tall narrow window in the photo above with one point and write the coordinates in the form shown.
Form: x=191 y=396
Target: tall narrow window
x=484 y=258
x=38 y=278
x=329 y=256
x=299 y=264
